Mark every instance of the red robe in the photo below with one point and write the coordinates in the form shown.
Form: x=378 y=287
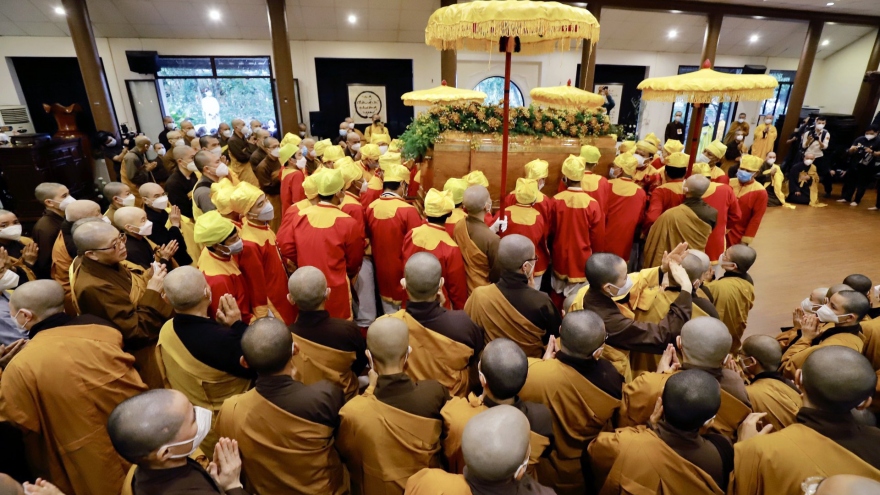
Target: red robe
x=265 y=273
x=752 y=199
x=414 y=181
x=292 y=186
x=374 y=189
x=663 y=198
x=578 y=229
x=722 y=198
x=657 y=163
x=388 y=220
x=598 y=188
x=330 y=240
x=626 y=211
x=530 y=221
x=435 y=240
x=542 y=204
x=718 y=175
x=284 y=237
x=457 y=214
x=224 y=277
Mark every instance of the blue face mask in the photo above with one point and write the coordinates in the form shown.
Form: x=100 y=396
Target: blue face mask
x=744 y=176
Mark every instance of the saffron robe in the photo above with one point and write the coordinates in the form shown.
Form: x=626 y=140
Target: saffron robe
x=59 y=390
x=871 y=331
x=435 y=240
x=722 y=198
x=624 y=216
x=315 y=362
x=224 y=277
x=733 y=297
x=763 y=144
x=777 y=464
x=580 y=411
x=476 y=262
x=437 y=482
x=531 y=222
x=635 y=460
x=388 y=220
x=489 y=309
x=61 y=261
x=265 y=274
x=578 y=231
x=674 y=226
x=796 y=355
x=281 y=452
x=664 y=198
x=203 y=385
x=383 y=446
x=776 y=398
x=752 y=198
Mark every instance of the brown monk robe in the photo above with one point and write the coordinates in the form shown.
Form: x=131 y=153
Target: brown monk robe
x=445 y=344
x=818 y=297
x=871 y=332
x=64 y=250
x=512 y=308
x=582 y=393
x=478 y=244
x=826 y=440
x=55 y=198
x=734 y=293
x=60 y=388
x=284 y=428
x=331 y=349
x=691 y=222
x=240 y=150
x=503 y=368
x=197 y=355
x=704 y=344
x=670 y=455
x=103 y=286
x=393 y=430
x=496 y=446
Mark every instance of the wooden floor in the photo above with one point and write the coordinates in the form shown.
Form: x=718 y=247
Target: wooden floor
x=801 y=249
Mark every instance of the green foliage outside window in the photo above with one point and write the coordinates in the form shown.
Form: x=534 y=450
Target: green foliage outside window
x=245 y=98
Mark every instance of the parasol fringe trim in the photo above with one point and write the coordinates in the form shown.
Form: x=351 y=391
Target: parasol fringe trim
x=463 y=34
x=708 y=97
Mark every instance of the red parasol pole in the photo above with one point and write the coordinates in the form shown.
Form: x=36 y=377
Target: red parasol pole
x=696 y=127
x=505 y=136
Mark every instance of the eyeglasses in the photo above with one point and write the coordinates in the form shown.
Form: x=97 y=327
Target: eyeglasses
x=120 y=241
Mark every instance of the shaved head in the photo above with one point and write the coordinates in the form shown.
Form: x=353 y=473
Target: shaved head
x=149 y=189
x=308 y=288
x=836 y=378
x=181 y=152
x=236 y=123
x=604 y=268
x=744 y=257
x=81 y=208
x=475 y=199
x=582 y=332
x=422 y=273
x=848 y=484
x=267 y=346
x=854 y=302
x=495 y=443
x=697 y=185
x=690 y=398
x=43 y=298
x=859 y=283
x=173 y=136
x=388 y=341
x=185 y=287
x=9 y=486
x=834 y=289
x=514 y=250
x=48 y=190
x=819 y=295
x=141 y=141
x=128 y=215
x=705 y=341
x=765 y=349
x=694 y=266
x=504 y=366
x=143 y=423
x=93 y=235
x=113 y=189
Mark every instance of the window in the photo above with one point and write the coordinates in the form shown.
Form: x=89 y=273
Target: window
x=210 y=90
x=494 y=89
x=777 y=105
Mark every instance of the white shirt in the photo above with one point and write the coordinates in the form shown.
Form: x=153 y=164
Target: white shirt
x=811 y=145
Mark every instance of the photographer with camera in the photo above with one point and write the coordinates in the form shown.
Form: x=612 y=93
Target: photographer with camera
x=609 y=101
x=863 y=155
x=815 y=141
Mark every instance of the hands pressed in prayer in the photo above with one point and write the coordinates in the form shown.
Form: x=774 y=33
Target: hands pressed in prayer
x=750 y=427
x=29 y=253
x=227 y=311
x=676 y=255
x=226 y=466
x=552 y=348
x=5 y=260
x=669 y=361
x=41 y=487
x=797 y=318
x=657 y=415
x=157 y=279
x=174 y=217
x=810 y=327
x=166 y=251
x=7 y=352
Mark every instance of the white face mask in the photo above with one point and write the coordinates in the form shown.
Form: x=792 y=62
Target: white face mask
x=9 y=280
x=301 y=163
x=146 y=229
x=267 y=213
x=740 y=120
x=356 y=147
x=383 y=149
x=819 y=127
x=640 y=159
x=160 y=203
x=622 y=291
x=105 y=220
x=771 y=161
x=169 y=126
x=351 y=125
x=809 y=306
x=236 y=247
x=739 y=137
x=191 y=133
x=217 y=151
x=179 y=142
x=827 y=315
x=12 y=233
x=203 y=427
x=768 y=121
x=191 y=166
x=702 y=159
x=808 y=162
x=227 y=133
x=128 y=200
x=246 y=131
x=222 y=170
x=364 y=187
x=678 y=118
x=160 y=152
x=302 y=133
x=869 y=137
x=275 y=152
x=66 y=202
x=111 y=143
x=343 y=132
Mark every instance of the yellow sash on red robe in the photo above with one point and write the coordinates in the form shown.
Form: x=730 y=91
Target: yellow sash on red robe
x=489 y=309
x=315 y=362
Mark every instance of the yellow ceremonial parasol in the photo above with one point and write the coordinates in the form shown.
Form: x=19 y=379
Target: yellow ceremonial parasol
x=509 y=26
x=442 y=94
x=701 y=88
x=566 y=97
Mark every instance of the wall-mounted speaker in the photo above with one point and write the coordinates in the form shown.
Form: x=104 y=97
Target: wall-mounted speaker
x=754 y=69
x=143 y=62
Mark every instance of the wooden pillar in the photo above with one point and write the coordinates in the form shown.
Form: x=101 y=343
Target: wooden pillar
x=799 y=89
x=710 y=40
x=90 y=65
x=862 y=111
x=283 y=67
x=448 y=58
x=588 y=54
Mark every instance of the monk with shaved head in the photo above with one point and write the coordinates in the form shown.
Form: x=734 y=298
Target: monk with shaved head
x=496 y=447
x=70 y=364
x=393 y=430
x=182 y=179
x=331 y=349
x=769 y=391
x=118 y=195
x=137 y=169
x=158 y=431
x=581 y=391
x=734 y=293
x=446 y=344
x=141 y=250
x=825 y=440
x=282 y=421
x=512 y=308
x=817 y=298
x=478 y=243
x=160 y=213
x=64 y=250
x=704 y=344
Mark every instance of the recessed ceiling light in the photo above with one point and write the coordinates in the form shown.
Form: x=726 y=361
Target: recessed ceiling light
x=829 y=4
x=214 y=14
x=759 y=17
x=675 y=11
x=826 y=42
x=672 y=33
x=753 y=38
x=352 y=19
x=59 y=10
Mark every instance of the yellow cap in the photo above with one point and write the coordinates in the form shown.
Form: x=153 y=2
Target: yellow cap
x=476 y=178
x=673 y=146
x=371 y=151
x=244 y=197
x=701 y=168
x=627 y=162
x=677 y=160
x=310 y=186
x=395 y=173
x=321 y=147
x=351 y=171
x=590 y=154
x=291 y=138
x=438 y=203
x=332 y=153
x=751 y=163
x=221 y=193
x=646 y=146
x=395 y=145
x=286 y=152
x=211 y=228
x=389 y=159
x=380 y=139
x=456 y=187
x=537 y=169
x=627 y=146
x=652 y=138
x=717 y=148
x=573 y=168
x=330 y=182
x=526 y=191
